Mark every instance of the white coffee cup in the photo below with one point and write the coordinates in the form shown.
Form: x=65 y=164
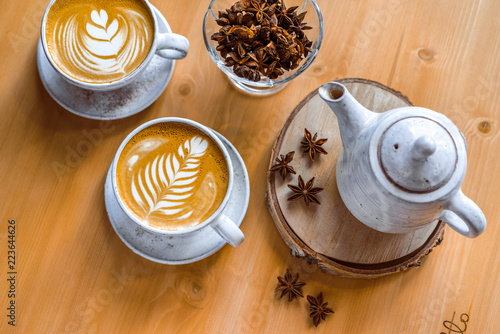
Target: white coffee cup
x=166 y=45
x=218 y=221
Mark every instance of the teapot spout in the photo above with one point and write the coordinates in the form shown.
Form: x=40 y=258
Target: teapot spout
x=351 y=115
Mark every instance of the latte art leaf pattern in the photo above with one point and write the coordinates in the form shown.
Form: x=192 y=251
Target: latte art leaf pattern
x=100 y=45
x=103 y=42
x=165 y=186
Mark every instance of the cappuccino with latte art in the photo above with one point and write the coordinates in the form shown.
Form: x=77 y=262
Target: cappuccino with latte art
x=99 y=41
x=171 y=190
x=172 y=176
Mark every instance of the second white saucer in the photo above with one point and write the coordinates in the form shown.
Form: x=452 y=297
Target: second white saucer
x=187 y=248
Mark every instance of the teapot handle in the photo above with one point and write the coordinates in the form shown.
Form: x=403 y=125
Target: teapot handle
x=464 y=216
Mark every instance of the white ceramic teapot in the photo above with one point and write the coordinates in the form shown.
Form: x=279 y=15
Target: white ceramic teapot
x=402 y=169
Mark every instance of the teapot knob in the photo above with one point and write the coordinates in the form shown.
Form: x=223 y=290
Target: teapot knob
x=423 y=148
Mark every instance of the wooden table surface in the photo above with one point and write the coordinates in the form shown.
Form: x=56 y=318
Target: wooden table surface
x=74 y=274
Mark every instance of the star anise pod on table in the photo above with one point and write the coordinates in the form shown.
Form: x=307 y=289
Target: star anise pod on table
x=313 y=146
x=317 y=309
x=290 y=285
x=282 y=165
x=305 y=191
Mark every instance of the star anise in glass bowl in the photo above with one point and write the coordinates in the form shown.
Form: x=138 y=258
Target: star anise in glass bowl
x=287 y=36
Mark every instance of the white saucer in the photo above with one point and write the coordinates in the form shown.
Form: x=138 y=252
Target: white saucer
x=115 y=104
x=181 y=249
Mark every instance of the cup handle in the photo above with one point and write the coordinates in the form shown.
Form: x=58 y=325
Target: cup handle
x=464 y=216
x=228 y=230
x=172 y=46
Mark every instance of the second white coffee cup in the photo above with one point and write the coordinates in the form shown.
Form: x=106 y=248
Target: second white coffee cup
x=100 y=27
x=218 y=221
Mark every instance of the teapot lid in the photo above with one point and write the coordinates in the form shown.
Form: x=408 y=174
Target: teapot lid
x=418 y=154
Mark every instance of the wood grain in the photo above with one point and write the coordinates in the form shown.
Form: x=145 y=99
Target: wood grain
x=74 y=273
x=328 y=234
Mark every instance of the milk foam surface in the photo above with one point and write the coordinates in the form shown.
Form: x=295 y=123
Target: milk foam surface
x=172 y=176
x=99 y=41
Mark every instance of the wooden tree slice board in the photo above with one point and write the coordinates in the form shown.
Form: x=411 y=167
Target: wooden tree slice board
x=328 y=234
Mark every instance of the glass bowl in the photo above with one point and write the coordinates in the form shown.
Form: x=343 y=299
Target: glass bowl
x=266 y=85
